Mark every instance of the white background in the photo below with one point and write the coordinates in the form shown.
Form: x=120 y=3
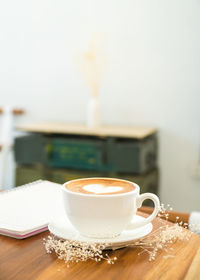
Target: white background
x=151 y=78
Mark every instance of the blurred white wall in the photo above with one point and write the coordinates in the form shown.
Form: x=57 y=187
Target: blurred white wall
x=152 y=75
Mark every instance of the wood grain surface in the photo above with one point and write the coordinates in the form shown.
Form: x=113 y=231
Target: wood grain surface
x=27 y=259
x=193 y=272
x=81 y=129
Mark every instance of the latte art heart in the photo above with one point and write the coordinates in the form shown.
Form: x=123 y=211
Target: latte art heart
x=99 y=188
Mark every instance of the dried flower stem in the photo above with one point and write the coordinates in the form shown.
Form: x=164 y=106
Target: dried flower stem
x=75 y=251
x=160 y=239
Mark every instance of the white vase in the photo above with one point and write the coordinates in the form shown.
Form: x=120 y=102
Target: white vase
x=93 y=113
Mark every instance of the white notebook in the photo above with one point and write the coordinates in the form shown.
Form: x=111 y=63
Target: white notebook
x=27 y=210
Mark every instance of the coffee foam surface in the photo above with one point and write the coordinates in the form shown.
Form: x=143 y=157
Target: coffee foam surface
x=101 y=188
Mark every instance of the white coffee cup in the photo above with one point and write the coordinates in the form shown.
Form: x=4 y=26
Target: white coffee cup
x=107 y=215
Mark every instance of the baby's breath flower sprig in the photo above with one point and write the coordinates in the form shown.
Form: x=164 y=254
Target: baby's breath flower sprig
x=160 y=240
x=72 y=251
x=164 y=236
x=163 y=211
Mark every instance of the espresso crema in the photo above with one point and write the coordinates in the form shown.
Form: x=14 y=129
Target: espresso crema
x=100 y=186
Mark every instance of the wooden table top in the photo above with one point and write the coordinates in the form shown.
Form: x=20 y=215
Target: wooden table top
x=136 y=132
x=27 y=259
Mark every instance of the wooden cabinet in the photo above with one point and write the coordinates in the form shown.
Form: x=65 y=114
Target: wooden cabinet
x=61 y=152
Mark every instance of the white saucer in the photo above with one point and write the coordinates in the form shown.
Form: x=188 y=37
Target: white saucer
x=63 y=229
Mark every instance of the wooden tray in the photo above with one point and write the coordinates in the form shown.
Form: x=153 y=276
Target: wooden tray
x=27 y=259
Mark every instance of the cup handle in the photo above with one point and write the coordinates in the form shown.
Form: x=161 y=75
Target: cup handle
x=139 y=201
